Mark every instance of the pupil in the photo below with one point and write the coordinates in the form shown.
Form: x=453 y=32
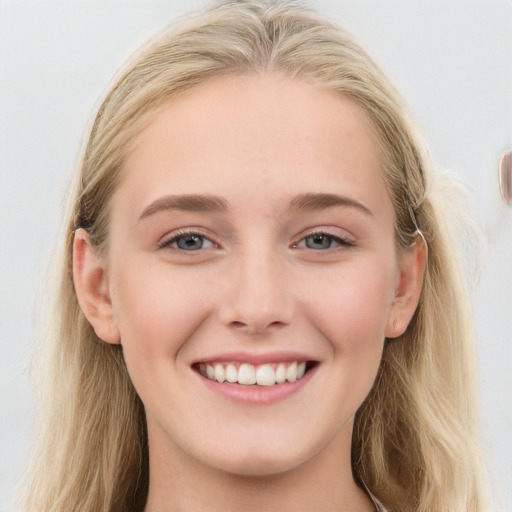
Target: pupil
x=190 y=243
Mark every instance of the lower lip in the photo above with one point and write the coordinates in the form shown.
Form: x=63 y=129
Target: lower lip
x=262 y=395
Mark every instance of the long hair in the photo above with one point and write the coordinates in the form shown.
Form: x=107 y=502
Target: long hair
x=415 y=437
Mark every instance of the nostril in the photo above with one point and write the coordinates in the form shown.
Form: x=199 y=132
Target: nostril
x=256 y=327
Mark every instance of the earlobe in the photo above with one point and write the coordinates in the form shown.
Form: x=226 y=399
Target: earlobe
x=91 y=288
x=408 y=290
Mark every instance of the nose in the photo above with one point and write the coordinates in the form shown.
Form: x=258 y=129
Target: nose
x=257 y=297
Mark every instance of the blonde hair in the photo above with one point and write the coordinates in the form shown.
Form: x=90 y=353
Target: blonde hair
x=414 y=441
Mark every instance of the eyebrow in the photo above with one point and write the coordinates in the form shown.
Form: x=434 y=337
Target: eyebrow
x=320 y=201
x=188 y=203
x=210 y=203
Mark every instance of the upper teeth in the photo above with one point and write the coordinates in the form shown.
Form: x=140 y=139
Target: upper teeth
x=248 y=374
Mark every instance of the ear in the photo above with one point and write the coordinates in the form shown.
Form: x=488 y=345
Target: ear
x=91 y=287
x=408 y=290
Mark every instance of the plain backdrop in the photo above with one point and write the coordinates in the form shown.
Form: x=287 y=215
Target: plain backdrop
x=451 y=59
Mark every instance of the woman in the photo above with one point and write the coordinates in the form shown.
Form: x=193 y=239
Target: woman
x=259 y=306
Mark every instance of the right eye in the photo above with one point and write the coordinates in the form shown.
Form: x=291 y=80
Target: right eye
x=188 y=241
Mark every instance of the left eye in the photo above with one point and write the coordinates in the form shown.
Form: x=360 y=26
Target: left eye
x=322 y=241
x=188 y=242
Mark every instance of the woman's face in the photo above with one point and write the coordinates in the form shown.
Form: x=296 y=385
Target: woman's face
x=252 y=238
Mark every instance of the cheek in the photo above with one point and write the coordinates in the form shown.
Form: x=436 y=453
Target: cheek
x=351 y=306
x=156 y=310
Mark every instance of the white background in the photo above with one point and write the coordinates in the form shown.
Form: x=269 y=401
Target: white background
x=451 y=59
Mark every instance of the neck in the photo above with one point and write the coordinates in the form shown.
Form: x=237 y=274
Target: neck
x=325 y=482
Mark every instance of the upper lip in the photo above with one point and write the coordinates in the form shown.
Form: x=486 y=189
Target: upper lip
x=255 y=358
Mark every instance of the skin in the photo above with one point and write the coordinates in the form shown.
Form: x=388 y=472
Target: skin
x=256 y=287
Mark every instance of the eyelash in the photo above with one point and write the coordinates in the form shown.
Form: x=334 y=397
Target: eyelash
x=340 y=241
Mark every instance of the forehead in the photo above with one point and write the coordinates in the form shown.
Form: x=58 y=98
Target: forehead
x=265 y=133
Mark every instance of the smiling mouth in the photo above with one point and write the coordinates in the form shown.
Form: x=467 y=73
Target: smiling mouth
x=268 y=374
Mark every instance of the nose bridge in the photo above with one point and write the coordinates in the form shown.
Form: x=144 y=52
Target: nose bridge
x=257 y=296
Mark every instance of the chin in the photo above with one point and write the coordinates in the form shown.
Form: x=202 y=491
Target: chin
x=259 y=462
